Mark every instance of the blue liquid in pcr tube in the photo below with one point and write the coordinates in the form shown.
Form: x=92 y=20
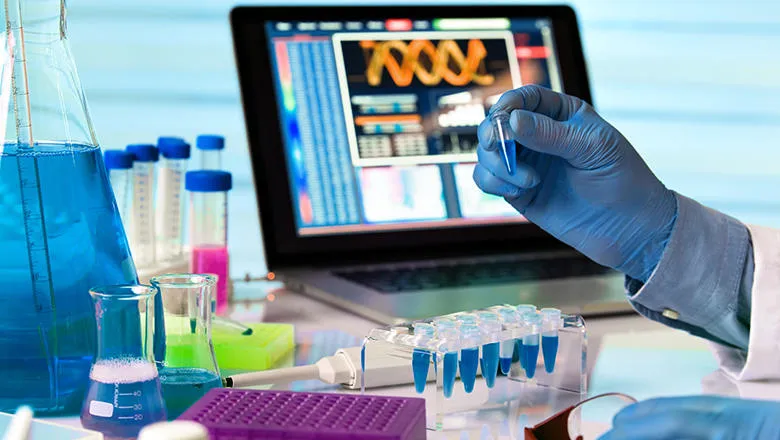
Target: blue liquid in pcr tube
x=490 y=363
x=421 y=361
x=450 y=372
x=549 y=351
x=530 y=354
x=518 y=355
x=509 y=150
x=181 y=387
x=506 y=354
x=505 y=364
x=469 y=360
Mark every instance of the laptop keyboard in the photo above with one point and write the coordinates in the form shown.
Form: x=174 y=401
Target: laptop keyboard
x=483 y=273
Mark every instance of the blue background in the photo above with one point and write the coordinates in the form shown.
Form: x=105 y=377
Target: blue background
x=694 y=85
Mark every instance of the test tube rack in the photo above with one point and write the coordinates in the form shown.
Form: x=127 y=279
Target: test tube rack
x=519 y=386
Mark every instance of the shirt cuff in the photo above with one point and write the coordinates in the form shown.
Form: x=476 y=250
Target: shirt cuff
x=697 y=280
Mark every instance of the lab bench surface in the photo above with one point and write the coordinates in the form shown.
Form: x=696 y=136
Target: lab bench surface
x=629 y=353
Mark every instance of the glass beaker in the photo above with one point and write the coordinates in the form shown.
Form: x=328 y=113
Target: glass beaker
x=189 y=369
x=59 y=225
x=124 y=392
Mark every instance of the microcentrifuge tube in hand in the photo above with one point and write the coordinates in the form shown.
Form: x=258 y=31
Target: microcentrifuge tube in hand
x=469 y=357
x=506 y=145
x=421 y=358
x=490 y=326
x=551 y=321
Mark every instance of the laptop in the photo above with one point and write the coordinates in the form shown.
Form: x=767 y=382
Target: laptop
x=362 y=126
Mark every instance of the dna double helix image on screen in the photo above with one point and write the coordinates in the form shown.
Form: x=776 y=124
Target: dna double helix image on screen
x=419 y=100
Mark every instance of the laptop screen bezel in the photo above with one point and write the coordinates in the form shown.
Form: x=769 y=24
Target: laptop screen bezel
x=284 y=247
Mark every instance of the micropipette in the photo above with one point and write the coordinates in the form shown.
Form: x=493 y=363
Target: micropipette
x=506 y=144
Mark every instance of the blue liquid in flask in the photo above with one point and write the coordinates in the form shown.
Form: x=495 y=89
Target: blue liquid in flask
x=181 y=387
x=46 y=353
x=123 y=397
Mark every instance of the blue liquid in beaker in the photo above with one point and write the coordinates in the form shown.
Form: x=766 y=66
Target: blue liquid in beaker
x=181 y=387
x=123 y=397
x=45 y=354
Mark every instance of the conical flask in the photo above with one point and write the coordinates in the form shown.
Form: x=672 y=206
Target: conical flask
x=60 y=232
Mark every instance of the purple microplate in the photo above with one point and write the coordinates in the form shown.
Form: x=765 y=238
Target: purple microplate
x=276 y=415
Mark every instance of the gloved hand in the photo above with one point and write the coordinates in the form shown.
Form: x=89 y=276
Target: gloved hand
x=698 y=417
x=580 y=180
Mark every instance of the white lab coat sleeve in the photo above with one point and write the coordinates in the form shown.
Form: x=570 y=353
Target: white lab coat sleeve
x=762 y=361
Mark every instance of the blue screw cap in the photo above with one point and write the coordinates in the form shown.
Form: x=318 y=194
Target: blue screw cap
x=173 y=147
x=210 y=142
x=144 y=152
x=208 y=181
x=118 y=160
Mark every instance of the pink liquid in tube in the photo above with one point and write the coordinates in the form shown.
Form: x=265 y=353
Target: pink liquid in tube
x=214 y=261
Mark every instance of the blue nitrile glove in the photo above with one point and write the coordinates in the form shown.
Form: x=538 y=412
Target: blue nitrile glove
x=580 y=180
x=698 y=417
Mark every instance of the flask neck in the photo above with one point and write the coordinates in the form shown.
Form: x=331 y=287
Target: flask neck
x=125 y=324
x=34 y=21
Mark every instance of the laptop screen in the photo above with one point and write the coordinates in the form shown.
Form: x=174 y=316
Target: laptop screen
x=380 y=117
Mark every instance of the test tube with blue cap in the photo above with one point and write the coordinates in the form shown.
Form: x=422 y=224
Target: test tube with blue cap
x=530 y=350
x=504 y=141
x=421 y=358
x=142 y=230
x=471 y=338
x=210 y=148
x=511 y=321
x=120 y=172
x=551 y=322
x=490 y=326
x=522 y=310
x=169 y=209
x=208 y=193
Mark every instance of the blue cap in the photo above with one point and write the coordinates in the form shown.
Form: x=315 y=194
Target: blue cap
x=118 y=160
x=208 y=181
x=210 y=142
x=144 y=152
x=173 y=147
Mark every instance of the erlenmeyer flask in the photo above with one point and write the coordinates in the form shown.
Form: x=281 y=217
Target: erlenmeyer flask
x=60 y=232
x=124 y=392
x=189 y=368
